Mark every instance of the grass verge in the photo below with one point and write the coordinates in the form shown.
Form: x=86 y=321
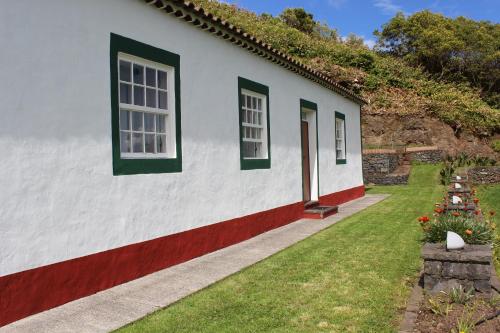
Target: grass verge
x=351 y=277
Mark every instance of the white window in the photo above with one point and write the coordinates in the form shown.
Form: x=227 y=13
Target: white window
x=254 y=125
x=147 y=117
x=339 y=138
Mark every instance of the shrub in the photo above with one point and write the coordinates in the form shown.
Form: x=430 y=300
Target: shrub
x=473 y=229
x=496 y=146
x=459 y=295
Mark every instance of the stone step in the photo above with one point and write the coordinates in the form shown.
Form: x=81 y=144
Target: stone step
x=311 y=204
x=320 y=212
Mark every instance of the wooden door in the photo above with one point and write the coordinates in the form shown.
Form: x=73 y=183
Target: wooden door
x=306 y=175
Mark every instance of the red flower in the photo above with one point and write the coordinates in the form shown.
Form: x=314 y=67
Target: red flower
x=438 y=210
x=477 y=212
x=476 y=200
x=468 y=232
x=455 y=214
x=423 y=219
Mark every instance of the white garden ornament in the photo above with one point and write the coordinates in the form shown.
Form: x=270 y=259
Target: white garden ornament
x=459 y=178
x=456 y=200
x=457 y=185
x=454 y=241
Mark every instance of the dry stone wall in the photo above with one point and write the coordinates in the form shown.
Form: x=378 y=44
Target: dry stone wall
x=484 y=175
x=469 y=267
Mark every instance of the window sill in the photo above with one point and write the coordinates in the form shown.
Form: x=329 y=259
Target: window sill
x=252 y=164
x=146 y=166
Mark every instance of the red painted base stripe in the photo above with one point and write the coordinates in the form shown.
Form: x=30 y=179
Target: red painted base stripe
x=338 y=198
x=35 y=290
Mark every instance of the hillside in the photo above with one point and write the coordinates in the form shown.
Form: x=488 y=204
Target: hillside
x=407 y=103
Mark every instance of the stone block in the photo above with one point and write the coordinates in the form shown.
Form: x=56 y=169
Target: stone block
x=455 y=270
x=432 y=267
x=483 y=286
x=479 y=272
x=430 y=281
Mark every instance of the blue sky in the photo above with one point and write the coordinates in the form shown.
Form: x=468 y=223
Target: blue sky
x=362 y=17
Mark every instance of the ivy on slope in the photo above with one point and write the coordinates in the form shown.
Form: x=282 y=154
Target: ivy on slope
x=391 y=85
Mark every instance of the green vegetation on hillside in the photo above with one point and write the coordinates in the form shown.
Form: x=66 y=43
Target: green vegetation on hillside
x=458 y=50
x=389 y=82
x=354 y=276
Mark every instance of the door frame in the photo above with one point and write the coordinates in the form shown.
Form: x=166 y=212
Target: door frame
x=310 y=107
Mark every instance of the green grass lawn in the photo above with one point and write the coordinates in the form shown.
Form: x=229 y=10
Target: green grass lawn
x=352 y=277
x=489 y=196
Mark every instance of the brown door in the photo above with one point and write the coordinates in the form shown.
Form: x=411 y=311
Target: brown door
x=306 y=176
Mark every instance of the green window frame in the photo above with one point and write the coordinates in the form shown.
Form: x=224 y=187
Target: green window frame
x=246 y=86
x=341 y=159
x=129 y=166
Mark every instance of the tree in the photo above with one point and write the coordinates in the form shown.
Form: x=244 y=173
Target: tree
x=457 y=50
x=299 y=19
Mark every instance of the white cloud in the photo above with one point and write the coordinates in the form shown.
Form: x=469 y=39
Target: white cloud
x=388 y=7
x=336 y=3
x=370 y=43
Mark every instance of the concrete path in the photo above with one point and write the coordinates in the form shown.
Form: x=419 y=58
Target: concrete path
x=123 y=304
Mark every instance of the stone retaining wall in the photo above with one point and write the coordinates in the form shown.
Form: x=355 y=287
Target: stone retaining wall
x=470 y=267
x=386 y=179
x=426 y=154
x=382 y=163
x=484 y=175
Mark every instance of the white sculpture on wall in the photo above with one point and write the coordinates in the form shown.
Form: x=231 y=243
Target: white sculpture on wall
x=456 y=200
x=454 y=241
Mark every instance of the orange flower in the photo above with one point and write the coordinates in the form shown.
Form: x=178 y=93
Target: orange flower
x=423 y=219
x=455 y=214
x=468 y=232
x=438 y=210
x=476 y=200
x=492 y=213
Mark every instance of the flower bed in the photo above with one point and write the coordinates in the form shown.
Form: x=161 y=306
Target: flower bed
x=460 y=286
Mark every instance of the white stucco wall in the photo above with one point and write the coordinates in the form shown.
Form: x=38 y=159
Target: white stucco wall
x=59 y=199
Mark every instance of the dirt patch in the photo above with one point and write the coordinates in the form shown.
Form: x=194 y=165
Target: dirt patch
x=380 y=130
x=448 y=321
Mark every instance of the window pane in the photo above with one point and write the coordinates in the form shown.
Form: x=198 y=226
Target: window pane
x=259 y=133
x=248 y=131
x=162 y=80
x=249 y=116
x=125 y=67
x=260 y=119
x=248 y=149
x=149 y=122
x=151 y=77
x=125 y=142
x=150 y=143
x=124 y=120
x=138 y=74
x=137 y=121
x=125 y=93
x=162 y=99
x=254 y=121
x=137 y=144
x=160 y=124
x=243 y=101
x=254 y=133
x=259 y=104
x=139 y=95
x=151 y=97
x=249 y=102
x=254 y=102
x=161 y=141
x=252 y=149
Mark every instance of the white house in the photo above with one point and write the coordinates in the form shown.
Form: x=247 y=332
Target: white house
x=136 y=135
